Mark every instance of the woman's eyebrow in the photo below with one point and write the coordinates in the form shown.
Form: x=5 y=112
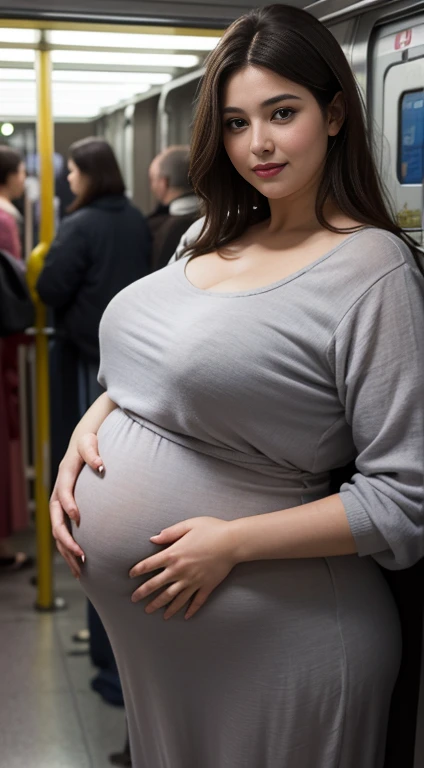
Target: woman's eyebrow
x=266 y=103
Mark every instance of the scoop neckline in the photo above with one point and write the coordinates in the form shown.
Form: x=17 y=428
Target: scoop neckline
x=270 y=286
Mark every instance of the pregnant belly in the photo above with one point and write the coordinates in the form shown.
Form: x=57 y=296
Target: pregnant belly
x=151 y=483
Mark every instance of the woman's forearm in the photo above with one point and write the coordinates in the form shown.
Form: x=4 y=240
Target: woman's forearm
x=317 y=529
x=93 y=418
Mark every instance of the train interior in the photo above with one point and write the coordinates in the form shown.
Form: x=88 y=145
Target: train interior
x=134 y=84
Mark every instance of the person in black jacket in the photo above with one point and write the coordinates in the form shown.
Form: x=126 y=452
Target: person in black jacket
x=100 y=248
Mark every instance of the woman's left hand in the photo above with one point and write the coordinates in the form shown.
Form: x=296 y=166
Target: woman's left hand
x=199 y=556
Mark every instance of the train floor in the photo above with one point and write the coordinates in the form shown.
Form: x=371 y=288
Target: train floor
x=49 y=716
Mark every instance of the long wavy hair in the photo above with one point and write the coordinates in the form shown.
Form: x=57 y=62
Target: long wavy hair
x=295 y=45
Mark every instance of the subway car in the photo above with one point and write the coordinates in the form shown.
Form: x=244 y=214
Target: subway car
x=129 y=71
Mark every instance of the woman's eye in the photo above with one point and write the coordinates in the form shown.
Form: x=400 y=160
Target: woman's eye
x=283 y=114
x=236 y=122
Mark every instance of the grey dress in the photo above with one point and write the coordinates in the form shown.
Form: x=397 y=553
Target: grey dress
x=237 y=404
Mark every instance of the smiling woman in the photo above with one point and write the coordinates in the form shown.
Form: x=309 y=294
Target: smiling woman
x=277 y=101
x=289 y=344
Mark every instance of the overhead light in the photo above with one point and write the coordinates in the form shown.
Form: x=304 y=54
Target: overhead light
x=17 y=54
x=19 y=36
x=16 y=74
x=87 y=76
x=124 y=59
x=98 y=76
x=87 y=98
x=93 y=88
x=25 y=88
x=18 y=108
x=128 y=40
x=7 y=129
x=26 y=110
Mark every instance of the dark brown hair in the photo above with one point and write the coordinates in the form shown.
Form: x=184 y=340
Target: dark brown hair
x=295 y=45
x=95 y=158
x=10 y=161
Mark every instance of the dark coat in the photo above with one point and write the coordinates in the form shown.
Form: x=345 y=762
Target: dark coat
x=168 y=236
x=98 y=250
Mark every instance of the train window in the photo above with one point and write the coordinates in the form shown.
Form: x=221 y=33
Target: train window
x=411 y=135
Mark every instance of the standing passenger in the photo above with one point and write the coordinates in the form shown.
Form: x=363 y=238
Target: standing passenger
x=100 y=248
x=286 y=344
x=178 y=206
x=13 y=506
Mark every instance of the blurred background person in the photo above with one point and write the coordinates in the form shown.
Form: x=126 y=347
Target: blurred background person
x=13 y=503
x=102 y=246
x=12 y=185
x=178 y=206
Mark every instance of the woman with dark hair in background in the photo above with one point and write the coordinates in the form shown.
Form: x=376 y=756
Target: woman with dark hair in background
x=13 y=504
x=101 y=247
x=287 y=343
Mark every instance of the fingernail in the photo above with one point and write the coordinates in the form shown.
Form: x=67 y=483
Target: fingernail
x=100 y=469
x=83 y=558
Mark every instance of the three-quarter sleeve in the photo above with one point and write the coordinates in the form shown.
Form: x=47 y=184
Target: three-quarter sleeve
x=377 y=355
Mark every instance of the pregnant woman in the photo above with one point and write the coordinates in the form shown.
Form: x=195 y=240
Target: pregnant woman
x=286 y=343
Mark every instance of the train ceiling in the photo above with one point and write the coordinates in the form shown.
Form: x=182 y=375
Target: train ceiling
x=211 y=13
x=107 y=53
x=93 y=71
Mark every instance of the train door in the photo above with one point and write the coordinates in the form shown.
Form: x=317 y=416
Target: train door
x=396 y=100
x=398 y=110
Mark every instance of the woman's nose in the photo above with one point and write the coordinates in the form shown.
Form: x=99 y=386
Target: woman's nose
x=261 y=141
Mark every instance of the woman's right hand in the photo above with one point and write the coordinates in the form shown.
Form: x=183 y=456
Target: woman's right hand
x=62 y=502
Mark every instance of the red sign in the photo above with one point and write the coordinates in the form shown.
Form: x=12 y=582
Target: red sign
x=403 y=39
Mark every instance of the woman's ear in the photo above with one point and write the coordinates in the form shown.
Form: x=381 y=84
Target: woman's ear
x=336 y=114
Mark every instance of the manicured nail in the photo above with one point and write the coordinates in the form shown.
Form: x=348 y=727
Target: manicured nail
x=100 y=469
x=83 y=558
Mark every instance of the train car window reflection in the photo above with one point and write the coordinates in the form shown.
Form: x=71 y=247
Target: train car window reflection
x=411 y=135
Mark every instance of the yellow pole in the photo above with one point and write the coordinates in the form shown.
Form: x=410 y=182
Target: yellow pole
x=45 y=600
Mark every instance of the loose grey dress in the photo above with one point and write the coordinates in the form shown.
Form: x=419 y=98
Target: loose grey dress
x=237 y=404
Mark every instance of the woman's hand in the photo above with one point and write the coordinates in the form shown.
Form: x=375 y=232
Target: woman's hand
x=62 y=500
x=200 y=556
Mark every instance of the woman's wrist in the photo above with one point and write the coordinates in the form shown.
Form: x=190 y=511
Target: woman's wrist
x=72 y=453
x=239 y=535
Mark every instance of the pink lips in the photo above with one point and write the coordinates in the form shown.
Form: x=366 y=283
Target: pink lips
x=268 y=169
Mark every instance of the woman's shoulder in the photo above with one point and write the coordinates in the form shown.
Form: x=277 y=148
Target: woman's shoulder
x=376 y=252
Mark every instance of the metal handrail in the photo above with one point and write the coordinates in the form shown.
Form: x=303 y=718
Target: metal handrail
x=45 y=599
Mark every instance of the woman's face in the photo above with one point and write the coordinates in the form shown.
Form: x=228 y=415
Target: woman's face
x=271 y=121
x=16 y=182
x=76 y=178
